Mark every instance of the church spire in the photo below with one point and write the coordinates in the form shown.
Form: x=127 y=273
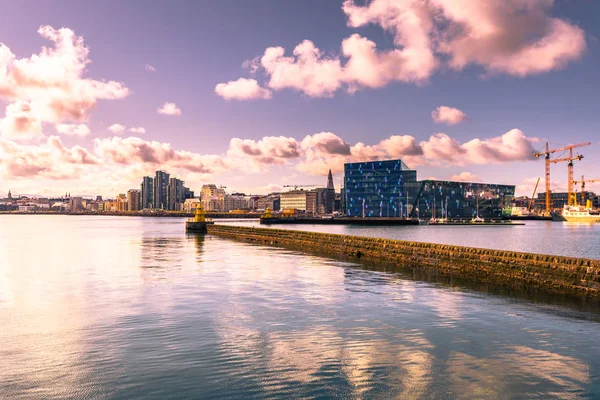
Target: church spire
x=9 y=194
x=330 y=181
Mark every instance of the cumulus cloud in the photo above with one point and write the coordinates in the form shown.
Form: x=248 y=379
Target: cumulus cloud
x=439 y=149
x=514 y=37
x=307 y=70
x=326 y=143
x=138 y=129
x=465 y=177
x=242 y=89
x=73 y=129
x=50 y=87
x=169 y=109
x=448 y=115
x=132 y=150
x=20 y=122
x=50 y=160
x=149 y=68
x=270 y=150
x=117 y=129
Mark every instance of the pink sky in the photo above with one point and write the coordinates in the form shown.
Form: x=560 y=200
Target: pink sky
x=291 y=113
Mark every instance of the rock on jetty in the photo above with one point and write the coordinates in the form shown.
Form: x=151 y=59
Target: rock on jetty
x=555 y=274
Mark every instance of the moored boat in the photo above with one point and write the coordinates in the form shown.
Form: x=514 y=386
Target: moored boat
x=577 y=214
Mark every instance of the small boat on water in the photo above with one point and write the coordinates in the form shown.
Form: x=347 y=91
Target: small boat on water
x=577 y=214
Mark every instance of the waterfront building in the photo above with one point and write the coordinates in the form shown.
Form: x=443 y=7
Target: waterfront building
x=134 y=200
x=271 y=201
x=122 y=202
x=159 y=186
x=326 y=197
x=213 y=198
x=375 y=188
x=147 y=192
x=76 y=204
x=190 y=205
x=299 y=200
x=110 y=205
x=389 y=188
x=236 y=201
x=435 y=198
x=559 y=199
x=175 y=194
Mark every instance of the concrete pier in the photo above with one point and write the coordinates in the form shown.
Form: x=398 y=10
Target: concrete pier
x=196 y=227
x=554 y=274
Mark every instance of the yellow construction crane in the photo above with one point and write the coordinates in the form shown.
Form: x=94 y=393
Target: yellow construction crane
x=583 y=182
x=533 y=196
x=570 y=159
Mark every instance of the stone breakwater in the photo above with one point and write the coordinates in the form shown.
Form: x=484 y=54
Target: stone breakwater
x=555 y=274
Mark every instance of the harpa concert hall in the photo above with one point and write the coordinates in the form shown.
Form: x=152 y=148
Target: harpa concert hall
x=388 y=188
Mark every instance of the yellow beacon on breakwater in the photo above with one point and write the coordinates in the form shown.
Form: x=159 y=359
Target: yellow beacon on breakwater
x=199 y=222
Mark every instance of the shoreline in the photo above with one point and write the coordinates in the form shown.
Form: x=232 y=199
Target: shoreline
x=171 y=214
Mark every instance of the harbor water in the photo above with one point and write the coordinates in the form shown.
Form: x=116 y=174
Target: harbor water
x=573 y=239
x=135 y=308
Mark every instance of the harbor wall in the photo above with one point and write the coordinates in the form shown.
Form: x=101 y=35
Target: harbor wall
x=555 y=274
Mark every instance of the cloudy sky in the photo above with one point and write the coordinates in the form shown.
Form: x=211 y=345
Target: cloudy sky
x=257 y=94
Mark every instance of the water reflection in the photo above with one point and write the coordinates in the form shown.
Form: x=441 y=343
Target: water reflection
x=519 y=368
x=156 y=313
x=198 y=240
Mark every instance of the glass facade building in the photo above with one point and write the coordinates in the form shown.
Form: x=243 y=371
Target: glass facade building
x=390 y=189
x=376 y=188
x=455 y=200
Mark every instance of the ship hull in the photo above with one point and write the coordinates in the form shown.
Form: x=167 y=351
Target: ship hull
x=591 y=218
x=557 y=216
x=576 y=216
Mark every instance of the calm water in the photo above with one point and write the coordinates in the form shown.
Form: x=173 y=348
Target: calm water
x=121 y=308
x=545 y=237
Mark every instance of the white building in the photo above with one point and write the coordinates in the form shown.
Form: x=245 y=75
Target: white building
x=190 y=205
x=300 y=200
x=235 y=202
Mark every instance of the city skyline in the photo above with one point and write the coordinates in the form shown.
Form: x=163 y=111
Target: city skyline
x=255 y=97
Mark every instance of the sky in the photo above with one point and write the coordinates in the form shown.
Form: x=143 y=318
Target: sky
x=255 y=95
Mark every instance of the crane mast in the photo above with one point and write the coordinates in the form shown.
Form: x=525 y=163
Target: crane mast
x=569 y=159
x=533 y=196
x=583 y=181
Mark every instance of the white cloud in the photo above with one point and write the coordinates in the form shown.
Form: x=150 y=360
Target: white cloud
x=514 y=37
x=169 y=109
x=117 y=129
x=49 y=87
x=242 y=89
x=20 y=122
x=132 y=151
x=138 y=129
x=465 y=177
x=258 y=155
x=307 y=71
x=51 y=160
x=149 y=68
x=73 y=129
x=439 y=149
x=448 y=115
